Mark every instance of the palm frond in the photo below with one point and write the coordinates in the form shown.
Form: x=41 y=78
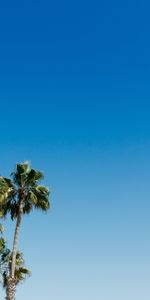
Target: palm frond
x=21 y=274
x=34 y=176
x=7 y=193
x=4 y=279
x=41 y=194
x=7 y=189
x=23 y=167
x=27 y=206
x=21 y=173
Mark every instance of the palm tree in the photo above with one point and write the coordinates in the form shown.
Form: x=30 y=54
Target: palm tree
x=19 y=196
x=5 y=263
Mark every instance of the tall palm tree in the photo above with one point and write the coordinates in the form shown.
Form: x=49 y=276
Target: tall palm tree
x=19 y=196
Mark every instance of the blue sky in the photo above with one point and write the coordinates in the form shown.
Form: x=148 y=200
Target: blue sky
x=75 y=101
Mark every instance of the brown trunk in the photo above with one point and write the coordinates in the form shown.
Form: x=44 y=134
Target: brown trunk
x=10 y=289
x=11 y=282
x=16 y=236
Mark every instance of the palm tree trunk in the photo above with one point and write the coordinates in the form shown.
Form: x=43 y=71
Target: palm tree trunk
x=10 y=289
x=15 y=242
x=11 y=282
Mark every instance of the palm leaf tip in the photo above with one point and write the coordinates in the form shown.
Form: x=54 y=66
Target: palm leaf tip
x=23 y=167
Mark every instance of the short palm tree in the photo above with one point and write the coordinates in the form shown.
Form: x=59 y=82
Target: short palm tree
x=19 y=196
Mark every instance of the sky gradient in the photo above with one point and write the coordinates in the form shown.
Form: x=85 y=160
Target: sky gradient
x=75 y=102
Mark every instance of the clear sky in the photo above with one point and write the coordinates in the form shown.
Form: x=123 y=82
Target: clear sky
x=75 y=101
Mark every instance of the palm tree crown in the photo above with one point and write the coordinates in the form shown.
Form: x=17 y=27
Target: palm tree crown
x=24 y=184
